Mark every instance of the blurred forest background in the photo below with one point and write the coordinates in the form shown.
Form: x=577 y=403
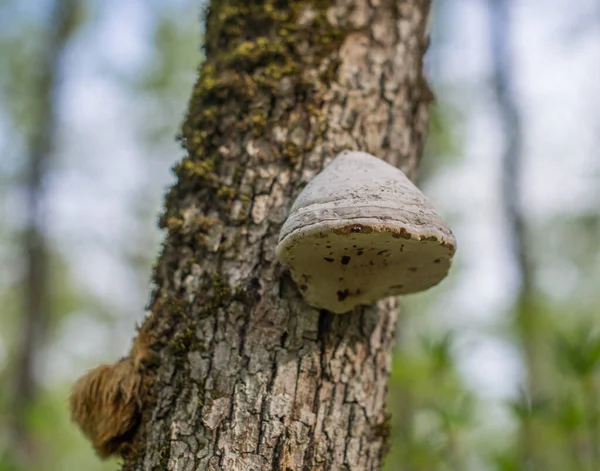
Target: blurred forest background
x=496 y=369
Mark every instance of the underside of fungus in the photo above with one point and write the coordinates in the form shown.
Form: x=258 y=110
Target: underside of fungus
x=361 y=231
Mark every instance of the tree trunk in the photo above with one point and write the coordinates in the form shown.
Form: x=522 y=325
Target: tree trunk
x=249 y=377
x=527 y=322
x=35 y=302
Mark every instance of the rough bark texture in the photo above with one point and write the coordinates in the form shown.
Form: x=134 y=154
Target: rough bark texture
x=250 y=377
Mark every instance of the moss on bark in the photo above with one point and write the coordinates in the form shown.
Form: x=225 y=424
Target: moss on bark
x=250 y=377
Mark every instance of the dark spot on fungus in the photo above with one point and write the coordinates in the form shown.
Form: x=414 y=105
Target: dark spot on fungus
x=396 y=287
x=381 y=252
x=413 y=269
x=437 y=260
x=303 y=287
x=402 y=233
x=343 y=295
x=448 y=246
x=402 y=248
x=360 y=252
x=345 y=260
x=328 y=259
x=328 y=246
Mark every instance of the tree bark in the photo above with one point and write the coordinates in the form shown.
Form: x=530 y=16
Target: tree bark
x=249 y=377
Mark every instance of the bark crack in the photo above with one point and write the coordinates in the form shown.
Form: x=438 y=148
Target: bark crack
x=285 y=87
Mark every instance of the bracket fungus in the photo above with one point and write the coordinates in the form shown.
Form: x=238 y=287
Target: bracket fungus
x=361 y=231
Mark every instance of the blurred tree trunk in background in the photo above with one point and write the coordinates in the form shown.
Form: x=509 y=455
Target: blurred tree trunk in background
x=250 y=377
x=527 y=323
x=35 y=300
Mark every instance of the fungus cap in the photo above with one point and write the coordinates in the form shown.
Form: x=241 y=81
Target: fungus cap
x=361 y=231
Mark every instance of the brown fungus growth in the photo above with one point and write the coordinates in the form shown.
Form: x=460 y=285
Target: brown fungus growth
x=106 y=401
x=361 y=231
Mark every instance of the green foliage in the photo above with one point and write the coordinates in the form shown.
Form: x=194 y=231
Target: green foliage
x=60 y=444
x=430 y=408
x=160 y=90
x=444 y=143
x=579 y=353
x=436 y=419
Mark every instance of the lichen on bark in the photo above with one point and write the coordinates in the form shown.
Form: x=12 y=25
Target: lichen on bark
x=250 y=377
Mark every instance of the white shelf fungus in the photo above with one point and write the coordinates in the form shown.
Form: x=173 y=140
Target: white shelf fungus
x=361 y=231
